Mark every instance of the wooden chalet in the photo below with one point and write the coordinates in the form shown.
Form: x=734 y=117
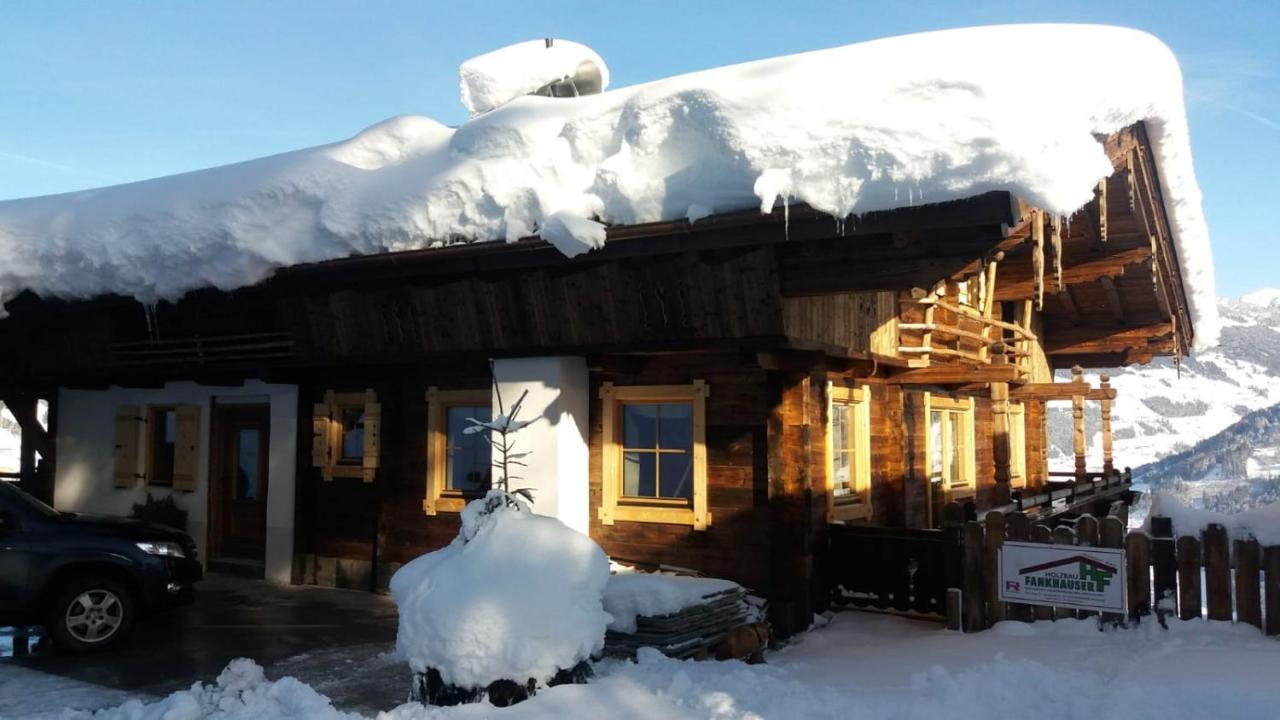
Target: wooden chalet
x=716 y=395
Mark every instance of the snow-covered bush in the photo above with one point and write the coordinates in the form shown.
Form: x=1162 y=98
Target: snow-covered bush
x=516 y=596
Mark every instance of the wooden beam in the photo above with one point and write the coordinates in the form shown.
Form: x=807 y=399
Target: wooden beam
x=1061 y=391
x=1068 y=304
x=1113 y=298
x=1017 y=283
x=1091 y=338
x=955 y=375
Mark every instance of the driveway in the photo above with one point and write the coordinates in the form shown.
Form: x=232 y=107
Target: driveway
x=339 y=641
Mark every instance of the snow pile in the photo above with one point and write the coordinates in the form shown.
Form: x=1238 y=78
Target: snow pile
x=498 y=77
x=1262 y=523
x=515 y=596
x=848 y=130
x=630 y=595
x=241 y=692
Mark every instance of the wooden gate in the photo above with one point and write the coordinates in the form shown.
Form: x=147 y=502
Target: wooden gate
x=894 y=569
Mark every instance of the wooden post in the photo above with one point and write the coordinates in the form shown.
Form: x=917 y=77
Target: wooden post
x=1248 y=602
x=1042 y=534
x=1002 y=452
x=1164 y=560
x=1138 y=557
x=1087 y=536
x=1063 y=535
x=1111 y=535
x=975 y=611
x=1271 y=570
x=996 y=610
x=1189 y=564
x=1108 y=463
x=1077 y=417
x=1217 y=573
x=1017 y=528
x=791 y=500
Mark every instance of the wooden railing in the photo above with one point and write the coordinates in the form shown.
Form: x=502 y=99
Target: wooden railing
x=1068 y=492
x=983 y=342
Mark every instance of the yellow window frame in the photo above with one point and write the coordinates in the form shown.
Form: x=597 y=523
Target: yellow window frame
x=614 y=506
x=952 y=410
x=439 y=498
x=857 y=505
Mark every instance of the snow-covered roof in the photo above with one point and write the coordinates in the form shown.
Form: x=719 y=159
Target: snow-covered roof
x=872 y=126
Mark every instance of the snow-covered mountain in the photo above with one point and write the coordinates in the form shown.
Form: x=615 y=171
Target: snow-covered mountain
x=1233 y=470
x=1161 y=411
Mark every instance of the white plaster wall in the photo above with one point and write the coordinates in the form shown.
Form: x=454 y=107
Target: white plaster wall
x=86 y=457
x=558 y=399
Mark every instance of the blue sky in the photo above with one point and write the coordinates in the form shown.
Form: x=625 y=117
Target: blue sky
x=107 y=92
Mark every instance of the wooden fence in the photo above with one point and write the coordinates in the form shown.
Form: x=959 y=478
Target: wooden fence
x=1164 y=574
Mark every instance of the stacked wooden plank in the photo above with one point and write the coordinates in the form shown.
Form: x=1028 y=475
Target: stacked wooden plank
x=687 y=633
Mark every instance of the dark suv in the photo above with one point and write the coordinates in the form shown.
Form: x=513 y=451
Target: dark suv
x=87 y=578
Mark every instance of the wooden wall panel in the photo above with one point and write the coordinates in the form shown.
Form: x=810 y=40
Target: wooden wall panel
x=736 y=545
x=916 y=480
x=889 y=460
x=857 y=321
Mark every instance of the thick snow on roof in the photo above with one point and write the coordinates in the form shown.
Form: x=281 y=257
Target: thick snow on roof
x=872 y=126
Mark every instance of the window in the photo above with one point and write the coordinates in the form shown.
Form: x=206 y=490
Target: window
x=459 y=464
x=159 y=444
x=1017 y=445
x=653 y=454
x=950 y=444
x=346 y=435
x=162 y=435
x=848 y=453
x=352 y=442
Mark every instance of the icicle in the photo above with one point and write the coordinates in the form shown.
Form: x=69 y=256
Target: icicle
x=149 y=312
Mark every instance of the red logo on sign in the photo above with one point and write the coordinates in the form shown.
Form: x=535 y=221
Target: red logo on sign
x=1013 y=586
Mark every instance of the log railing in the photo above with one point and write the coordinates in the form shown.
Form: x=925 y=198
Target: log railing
x=982 y=341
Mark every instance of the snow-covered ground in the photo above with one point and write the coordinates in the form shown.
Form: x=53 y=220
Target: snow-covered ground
x=860 y=666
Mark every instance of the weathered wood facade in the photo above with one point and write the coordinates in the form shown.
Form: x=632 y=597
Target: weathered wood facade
x=935 y=317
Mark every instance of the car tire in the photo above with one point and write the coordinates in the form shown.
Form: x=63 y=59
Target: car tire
x=91 y=614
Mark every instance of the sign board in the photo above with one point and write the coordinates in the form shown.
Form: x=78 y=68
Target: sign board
x=1088 y=578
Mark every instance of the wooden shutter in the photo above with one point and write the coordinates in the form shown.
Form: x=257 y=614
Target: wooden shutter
x=320 y=418
x=186 y=447
x=126 y=453
x=372 y=435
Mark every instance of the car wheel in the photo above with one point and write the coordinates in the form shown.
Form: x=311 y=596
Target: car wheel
x=92 y=614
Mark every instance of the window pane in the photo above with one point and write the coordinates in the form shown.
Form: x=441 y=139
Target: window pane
x=957 y=449
x=840 y=426
x=675 y=475
x=935 y=444
x=247 y=464
x=352 y=433
x=675 y=426
x=163 y=432
x=640 y=425
x=639 y=474
x=468 y=467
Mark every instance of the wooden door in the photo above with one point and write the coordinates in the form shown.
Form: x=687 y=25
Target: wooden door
x=241 y=449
